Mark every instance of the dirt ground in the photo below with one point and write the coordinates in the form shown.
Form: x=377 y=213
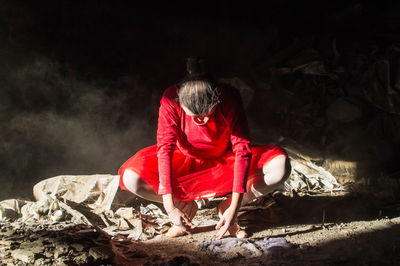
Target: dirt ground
x=322 y=230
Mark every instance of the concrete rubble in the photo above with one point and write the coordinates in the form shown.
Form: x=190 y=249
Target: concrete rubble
x=82 y=219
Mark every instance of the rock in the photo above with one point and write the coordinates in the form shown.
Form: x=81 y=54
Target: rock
x=26 y=256
x=60 y=250
x=48 y=253
x=82 y=258
x=5 y=252
x=78 y=247
x=60 y=263
x=8 y=232
x=99 y=253
x=40 y=262
x=34 y=247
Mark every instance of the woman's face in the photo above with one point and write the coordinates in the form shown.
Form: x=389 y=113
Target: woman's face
x=198 y=119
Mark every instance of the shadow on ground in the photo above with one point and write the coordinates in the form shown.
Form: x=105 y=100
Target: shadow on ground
x=317 y=210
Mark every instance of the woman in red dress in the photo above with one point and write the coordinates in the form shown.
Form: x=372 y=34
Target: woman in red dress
x=203 y=150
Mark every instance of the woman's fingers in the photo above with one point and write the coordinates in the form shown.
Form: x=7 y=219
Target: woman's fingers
x=186 y=219
x=221 y=232
x=220 y=223
x=222 y=226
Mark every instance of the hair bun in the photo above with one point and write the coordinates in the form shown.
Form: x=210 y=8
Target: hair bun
x=196 y=67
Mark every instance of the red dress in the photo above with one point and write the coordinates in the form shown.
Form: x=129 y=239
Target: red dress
x=194 y=161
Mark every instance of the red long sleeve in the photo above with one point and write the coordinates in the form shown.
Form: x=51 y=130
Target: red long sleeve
x=166 y=140
x=226 y=128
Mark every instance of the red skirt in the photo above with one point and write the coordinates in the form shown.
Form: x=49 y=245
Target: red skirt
x=196 y=178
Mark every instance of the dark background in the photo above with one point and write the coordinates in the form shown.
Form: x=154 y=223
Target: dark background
x=80 y=81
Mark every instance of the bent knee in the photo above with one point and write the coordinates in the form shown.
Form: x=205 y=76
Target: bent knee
x=277 y=170
x=132 y=181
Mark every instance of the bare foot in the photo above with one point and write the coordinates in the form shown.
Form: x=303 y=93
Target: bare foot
x=236 y=231
x=176 y=231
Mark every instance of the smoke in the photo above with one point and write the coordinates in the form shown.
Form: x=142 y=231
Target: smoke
x=52 y=123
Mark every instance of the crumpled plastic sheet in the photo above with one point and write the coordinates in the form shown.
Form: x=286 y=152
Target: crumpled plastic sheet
x=95 y=191
x=246 y=247
x=307 y=176
x=93 y=200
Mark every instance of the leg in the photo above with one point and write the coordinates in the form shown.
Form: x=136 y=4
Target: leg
x=137 y=186
x=275 y=172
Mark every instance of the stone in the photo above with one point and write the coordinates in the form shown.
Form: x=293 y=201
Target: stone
x=98 y=253
x=40 y=262
x=35 y=247
x=14 y=245
x=60 y=250
x=4 y=253
x=26 y=256
x=60 y=263
x=82 y=258
x=8 y=233
x=78 y=247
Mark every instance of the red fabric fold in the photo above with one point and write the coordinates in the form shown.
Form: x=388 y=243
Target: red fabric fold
x=196 y=178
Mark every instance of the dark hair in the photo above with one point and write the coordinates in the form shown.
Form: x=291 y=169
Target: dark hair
x=198 y=91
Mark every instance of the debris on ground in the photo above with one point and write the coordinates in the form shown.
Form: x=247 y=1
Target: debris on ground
x=94 y=200
x=232 y=246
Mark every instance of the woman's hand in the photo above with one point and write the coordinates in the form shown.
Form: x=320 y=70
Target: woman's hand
x=227 y=219
x=229 y=215
x=179 y=218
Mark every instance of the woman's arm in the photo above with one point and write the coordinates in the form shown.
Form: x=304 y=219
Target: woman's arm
x=229 y=215
x=241 y=146
x=168 y=121
x=166 y=140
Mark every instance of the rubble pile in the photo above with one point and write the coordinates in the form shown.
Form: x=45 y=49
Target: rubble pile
x=41 y=240
x=87 y=219
x=335 y=100
x=49 y=243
